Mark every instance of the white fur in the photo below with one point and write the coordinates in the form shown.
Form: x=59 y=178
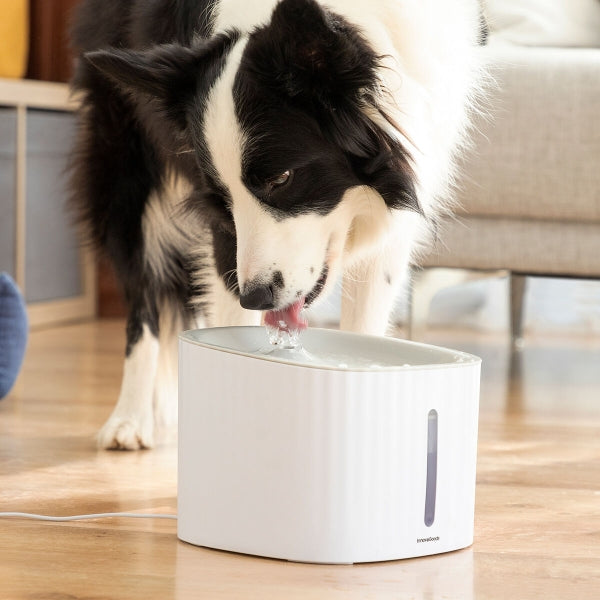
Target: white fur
x=241 y=15
x=131 y=424
x=164 y=224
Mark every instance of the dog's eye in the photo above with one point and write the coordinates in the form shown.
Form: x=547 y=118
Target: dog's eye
x=280 y=180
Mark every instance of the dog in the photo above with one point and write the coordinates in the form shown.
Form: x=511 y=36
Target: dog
x=237 y=158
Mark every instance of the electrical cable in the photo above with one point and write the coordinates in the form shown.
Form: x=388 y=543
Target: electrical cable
x=21 y=515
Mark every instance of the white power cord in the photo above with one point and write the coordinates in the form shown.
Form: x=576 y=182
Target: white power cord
x=21 y=515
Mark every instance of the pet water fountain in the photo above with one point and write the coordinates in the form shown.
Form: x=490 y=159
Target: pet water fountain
x=352 y=449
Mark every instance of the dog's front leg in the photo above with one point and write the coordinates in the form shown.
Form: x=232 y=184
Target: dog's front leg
x=370 y=289
x=131 y=424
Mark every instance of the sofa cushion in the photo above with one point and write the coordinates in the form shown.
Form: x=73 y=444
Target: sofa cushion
x=536 y=155
x=545 y=22
x=534 y=247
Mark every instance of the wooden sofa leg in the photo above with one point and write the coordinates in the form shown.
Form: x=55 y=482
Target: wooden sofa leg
x=518 y=286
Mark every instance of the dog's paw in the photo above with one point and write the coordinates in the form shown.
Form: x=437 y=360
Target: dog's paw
x=126 y=434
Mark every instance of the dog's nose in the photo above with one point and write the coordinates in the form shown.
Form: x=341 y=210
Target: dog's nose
x=259 y=297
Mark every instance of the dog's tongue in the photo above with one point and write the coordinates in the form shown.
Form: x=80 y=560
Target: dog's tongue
x=288 y=319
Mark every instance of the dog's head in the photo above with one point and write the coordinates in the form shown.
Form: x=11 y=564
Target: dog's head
x=287 y=126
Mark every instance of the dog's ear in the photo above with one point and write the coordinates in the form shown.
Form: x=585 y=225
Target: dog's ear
x=153 y=72
x=311 y=55
x=168 y=74
x=372 y=143
x=388 y=170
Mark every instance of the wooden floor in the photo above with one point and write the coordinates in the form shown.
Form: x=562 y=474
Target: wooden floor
x=537 y=525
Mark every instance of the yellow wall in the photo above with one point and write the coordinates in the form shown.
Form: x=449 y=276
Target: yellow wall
x=14 y=37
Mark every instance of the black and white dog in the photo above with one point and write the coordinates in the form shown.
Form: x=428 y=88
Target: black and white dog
x=240 y=156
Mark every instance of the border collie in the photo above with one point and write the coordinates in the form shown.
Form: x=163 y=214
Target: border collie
x=235 y=158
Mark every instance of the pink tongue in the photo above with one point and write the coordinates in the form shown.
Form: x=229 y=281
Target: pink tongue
x=288 y=319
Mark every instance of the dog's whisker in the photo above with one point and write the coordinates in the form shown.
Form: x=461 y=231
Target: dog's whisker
x=230 y=280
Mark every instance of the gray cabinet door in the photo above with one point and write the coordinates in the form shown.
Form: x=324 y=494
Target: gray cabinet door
x=52 y=258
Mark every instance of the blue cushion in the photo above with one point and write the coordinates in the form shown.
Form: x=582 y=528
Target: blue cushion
x=13 y=333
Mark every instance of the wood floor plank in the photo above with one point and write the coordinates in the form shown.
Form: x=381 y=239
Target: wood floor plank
x=537 y=525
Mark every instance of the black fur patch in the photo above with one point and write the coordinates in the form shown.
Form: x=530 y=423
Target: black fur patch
x=278 y=281
x=224 y=248
x=138 y=24
x=303 y=84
